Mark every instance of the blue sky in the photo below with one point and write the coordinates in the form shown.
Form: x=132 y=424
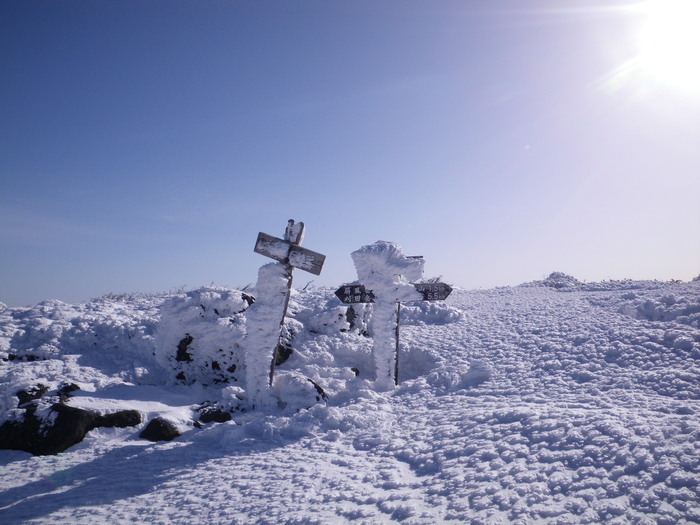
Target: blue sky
x=143 y=145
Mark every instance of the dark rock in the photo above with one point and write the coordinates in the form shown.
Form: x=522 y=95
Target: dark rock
x=121 y=419
x=247 y=298
x=182 y=354
x=350 y=316
x=66 y=390
x=282 y=353
x=20 y=434
x=209 y=414
x=321 y=393
x=159 y=430
x=355 y=370
x=35 y=392
x=69 y=427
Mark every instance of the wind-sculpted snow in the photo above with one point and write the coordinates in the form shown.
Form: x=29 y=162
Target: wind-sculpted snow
x=516 y=405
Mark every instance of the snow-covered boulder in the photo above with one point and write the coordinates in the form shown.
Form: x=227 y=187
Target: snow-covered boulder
x=200 y=333
x=159 y=429
x=47 y=425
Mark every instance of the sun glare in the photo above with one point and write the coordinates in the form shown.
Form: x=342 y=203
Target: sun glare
x=669 y=42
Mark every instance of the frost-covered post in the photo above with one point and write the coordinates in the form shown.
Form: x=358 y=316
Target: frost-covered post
x=265 y=318
x=387 y=272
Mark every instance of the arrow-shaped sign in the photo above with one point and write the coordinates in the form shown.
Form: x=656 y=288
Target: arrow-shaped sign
x=292 y=254
x=433 y=291
x=357 y=293
x=354 y=293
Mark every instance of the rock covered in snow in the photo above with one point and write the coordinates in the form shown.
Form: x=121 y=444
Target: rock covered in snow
x=159 y=429
x=56 y=428
x=200 y=334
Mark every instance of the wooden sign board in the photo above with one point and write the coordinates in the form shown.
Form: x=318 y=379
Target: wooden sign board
x=433 y=291
x=272 y=247
x=288 y=253
x=354 y=294
x=306 y=260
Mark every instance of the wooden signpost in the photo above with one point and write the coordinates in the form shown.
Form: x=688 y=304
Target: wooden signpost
x=288 y=252
x=357 y=293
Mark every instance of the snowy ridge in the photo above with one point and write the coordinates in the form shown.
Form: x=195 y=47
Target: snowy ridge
x=528 y=404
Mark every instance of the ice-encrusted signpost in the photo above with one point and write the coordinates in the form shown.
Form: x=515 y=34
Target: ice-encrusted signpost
x=380 y=264
x=265 y=318
x=386 y=272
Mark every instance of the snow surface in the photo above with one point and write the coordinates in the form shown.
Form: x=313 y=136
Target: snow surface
x=531 y=404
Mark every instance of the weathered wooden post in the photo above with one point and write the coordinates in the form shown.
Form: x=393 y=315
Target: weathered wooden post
x=265 y=318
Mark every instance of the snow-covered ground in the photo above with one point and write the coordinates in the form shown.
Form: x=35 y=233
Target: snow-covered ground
x=557 y=402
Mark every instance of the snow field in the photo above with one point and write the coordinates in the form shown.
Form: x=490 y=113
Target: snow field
x=532 y=404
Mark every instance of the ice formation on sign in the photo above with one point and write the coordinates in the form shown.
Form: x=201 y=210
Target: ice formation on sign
x=383 y=268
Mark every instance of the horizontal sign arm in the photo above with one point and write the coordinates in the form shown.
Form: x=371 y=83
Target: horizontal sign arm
x=289 y=253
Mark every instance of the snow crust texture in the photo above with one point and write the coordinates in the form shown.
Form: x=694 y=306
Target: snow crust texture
x=520 y=405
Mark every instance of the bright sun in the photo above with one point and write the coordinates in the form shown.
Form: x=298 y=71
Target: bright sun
x=669 y=42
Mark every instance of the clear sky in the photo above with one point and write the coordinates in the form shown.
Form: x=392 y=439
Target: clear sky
x=143 y=145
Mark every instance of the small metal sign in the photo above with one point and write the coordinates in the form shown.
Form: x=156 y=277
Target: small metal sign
x=292 y=254
x=433 y=291
x=354 y=293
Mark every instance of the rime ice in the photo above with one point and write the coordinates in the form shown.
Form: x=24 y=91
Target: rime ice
x=263 y=324
x=383 y=268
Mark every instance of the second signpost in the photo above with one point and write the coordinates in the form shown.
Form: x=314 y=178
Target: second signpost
x=385 y=274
